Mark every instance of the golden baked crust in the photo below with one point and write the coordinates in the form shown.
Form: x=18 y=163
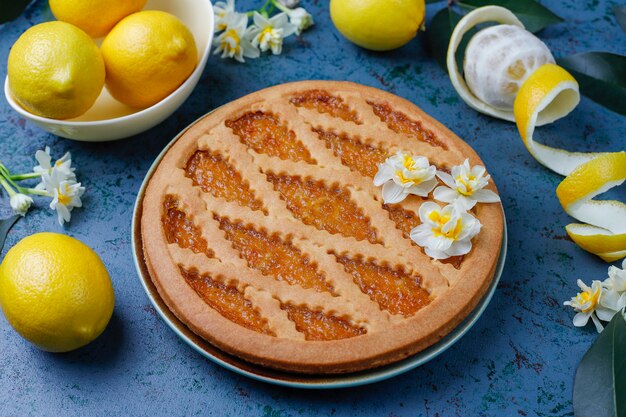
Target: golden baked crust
x=381 y=332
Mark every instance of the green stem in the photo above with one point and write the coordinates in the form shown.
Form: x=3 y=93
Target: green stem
x=21 y=177
x=280 y=6
x=34 y=191
x=263 y=10
x=6 y=186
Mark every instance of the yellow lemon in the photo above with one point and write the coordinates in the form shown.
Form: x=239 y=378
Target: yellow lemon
x=96 y=17
x=55 y=291
x=379 y=25
x=148 y=55
x=55 y=70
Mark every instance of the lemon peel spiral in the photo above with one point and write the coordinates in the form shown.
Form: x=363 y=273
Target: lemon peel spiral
x=546 y=95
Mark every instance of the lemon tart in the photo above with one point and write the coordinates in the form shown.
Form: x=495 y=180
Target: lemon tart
x=264 y=233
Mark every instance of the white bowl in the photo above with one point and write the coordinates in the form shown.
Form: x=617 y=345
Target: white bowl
x=109 y=119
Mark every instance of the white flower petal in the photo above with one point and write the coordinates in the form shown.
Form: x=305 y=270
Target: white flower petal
x=447 y=179
x=384 y=174
x=596 y=322
x=436 y=254
x=439 y=243
x=581 y=319
x=392 y=193
x=605 y=314
x=425 y=210
x=464 y=203
x=260 y=21
x=460 y=247
x=423 y=189
x=279 y=20
x=445 y=194
x=420 y=234
x=485 y=196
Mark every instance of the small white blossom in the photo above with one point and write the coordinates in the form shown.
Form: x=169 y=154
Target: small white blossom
x=301 y=19
x=445 y=232
x=234 y=42
x=617 y=278
x=403 y=174
x=65 y=195
x=224 y=12
x=268 y=34
x=62 y=166
x=465 y=186
x=593 y=302
x=615 y=286
x=20 y=203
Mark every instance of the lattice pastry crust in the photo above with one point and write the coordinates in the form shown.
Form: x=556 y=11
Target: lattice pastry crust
x=264 y=234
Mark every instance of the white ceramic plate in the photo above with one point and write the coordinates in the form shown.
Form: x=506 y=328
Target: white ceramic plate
x=284 y=378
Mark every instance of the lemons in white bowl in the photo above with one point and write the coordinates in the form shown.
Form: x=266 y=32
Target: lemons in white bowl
x=110 y=119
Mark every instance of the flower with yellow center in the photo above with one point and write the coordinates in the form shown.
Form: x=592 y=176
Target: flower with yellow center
x=404 y=174
x=445 y=232
x=595 y=302
x=223 y=12
x=465 y=187
x=65 y=195
x=268 y=34
x=235 y=42
x=63 y=166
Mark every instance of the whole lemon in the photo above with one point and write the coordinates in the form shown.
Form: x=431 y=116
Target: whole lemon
x=379 y=25
x=55 y=291
x=55 y=70
x=148 y=55
x=96 y=17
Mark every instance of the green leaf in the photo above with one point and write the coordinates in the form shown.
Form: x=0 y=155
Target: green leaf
x=5 y=226
x=11 y=9
x=620 y=15
x=438 y=34
x=532 y=14
x=602 y=77
x=600 y=383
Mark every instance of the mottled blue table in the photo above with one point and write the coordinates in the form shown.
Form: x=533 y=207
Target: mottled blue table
x=520 y=357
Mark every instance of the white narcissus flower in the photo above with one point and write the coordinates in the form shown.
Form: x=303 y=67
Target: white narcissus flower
x=617 y=278
x=445 y=232
x=301 y=19
x=465 y=186
x=268 y=34
x=62 y=166
x=403 y=174
x=593 y=302
x=224 y=12
x=234 y=42
x=20 y=203
x=615 y=286
x=65 y=195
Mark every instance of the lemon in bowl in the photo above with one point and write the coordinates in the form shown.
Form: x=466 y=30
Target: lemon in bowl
x=147 y=56
x=110 y=119
x=55 y=292
x=55 y=70
x=95 y=17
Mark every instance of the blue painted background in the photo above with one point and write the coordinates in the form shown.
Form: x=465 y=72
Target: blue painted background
x=520 y=357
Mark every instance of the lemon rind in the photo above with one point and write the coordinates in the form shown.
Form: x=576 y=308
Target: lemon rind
x=475 y=17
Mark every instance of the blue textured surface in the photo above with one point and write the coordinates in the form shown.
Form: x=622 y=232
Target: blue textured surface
x=520 y=357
